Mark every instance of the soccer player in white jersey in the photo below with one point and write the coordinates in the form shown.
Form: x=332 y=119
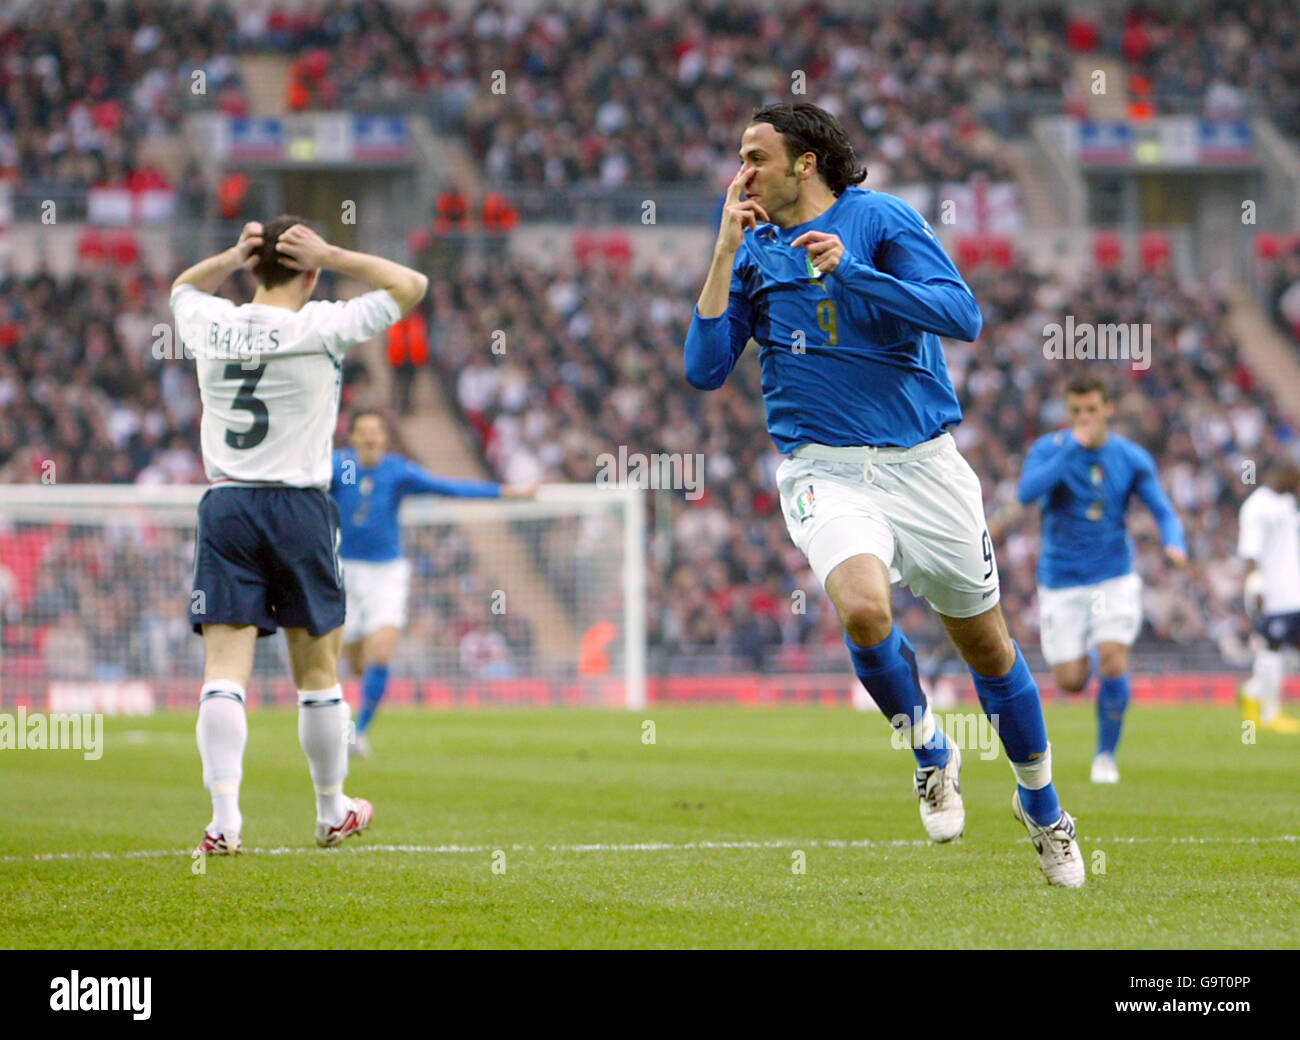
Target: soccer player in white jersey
x=266 y=543
x=1268 y=536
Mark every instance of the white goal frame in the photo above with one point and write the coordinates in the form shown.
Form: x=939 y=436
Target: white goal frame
x=94 y=504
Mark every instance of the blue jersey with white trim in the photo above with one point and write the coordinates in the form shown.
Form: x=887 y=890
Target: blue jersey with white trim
x=369 y=498
x=1085 y=495
x=851 y=357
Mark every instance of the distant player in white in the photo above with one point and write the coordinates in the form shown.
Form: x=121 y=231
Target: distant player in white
x=1269 y=537
x=266 y=543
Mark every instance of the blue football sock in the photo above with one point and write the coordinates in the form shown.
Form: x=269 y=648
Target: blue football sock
x=1112 y=700
x=1012 y=704
x=373 y=683
x=888 y=671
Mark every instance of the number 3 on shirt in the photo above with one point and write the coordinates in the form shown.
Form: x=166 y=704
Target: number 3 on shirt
x=827 y=321
x=246 y=402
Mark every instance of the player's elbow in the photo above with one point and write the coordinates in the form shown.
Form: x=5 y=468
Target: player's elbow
x=701 y=376
x=970 y=322
x=410 y=291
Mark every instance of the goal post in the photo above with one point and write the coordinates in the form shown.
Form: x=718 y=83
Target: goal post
x=527 y=602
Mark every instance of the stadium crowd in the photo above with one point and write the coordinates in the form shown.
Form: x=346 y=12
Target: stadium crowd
x=83 y=84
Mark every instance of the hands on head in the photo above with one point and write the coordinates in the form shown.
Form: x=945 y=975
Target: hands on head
x=249 y=244
x=301 y=249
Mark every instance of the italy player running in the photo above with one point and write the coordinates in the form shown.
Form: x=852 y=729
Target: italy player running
x=1088 y=593
x=846 y=292
x=369 y=483
x=267 y=539
x=1268 y=536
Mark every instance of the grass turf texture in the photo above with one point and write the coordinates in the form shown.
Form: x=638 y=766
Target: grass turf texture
x=524 y=782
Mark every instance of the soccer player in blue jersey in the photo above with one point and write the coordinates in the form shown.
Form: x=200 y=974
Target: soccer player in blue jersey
x=369 y=484
x=846 y=292
x=1088 y=593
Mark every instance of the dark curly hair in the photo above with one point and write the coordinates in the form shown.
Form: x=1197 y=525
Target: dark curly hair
x=804 y=127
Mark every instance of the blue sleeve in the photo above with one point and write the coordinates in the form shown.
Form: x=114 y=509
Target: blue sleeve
x=418 y=481
x=912 y=277
x=1147 y=485
x=1044 y=466
x=714 y=345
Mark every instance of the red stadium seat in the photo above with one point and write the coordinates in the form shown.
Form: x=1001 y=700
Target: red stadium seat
x=1107 y=250
x=90 y=245
x=1154 y=250
x=1000 y=250
x=618 y=249
x=585 y=245
x=123 y=249
x=970 y=252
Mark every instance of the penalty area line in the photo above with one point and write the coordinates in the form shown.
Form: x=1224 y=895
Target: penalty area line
x=639 y=846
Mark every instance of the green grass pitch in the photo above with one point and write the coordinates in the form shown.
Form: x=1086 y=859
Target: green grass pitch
x=599 y=839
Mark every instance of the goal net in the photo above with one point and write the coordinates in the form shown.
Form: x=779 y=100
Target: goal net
x=512 y=602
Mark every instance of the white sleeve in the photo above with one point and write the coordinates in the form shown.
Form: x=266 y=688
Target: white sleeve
x=1250 y=529
x=344 y=324
x=193 y=308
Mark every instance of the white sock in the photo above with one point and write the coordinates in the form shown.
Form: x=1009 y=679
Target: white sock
x=1266 y=683
x=1034 y=775
x=222 y=732
x=323 y=728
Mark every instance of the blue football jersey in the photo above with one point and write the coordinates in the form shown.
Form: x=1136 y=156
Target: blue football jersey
x=850 y=357
x=369 y=499
x=1085 y=494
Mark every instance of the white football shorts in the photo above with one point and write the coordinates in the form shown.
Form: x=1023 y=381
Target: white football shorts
x=919 y=510
x=376 y=596
x=1075 y=619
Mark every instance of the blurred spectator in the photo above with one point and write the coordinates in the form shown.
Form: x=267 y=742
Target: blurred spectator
x=408 y=351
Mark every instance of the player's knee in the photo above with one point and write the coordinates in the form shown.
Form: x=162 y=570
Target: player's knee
x=1072 y=681
x=1112 y=663
x=866 y=619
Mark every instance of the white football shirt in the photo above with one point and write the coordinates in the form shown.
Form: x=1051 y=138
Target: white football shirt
x=1269 y=534
x=270 y=378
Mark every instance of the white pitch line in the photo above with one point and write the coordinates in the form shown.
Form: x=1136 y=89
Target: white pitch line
x=640 y=846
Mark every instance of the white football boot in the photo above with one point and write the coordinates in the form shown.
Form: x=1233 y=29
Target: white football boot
x=939 y=794
x=359 y=816
x=219 y=845
x=1104 y=769
x=1058 y=851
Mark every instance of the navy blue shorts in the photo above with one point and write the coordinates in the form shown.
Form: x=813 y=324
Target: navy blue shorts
x=1280 y=629
x=267 y=556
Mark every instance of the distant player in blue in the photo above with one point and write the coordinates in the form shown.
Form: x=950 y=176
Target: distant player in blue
x=846 y=292
x=369 y=484
x=1088 y=593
